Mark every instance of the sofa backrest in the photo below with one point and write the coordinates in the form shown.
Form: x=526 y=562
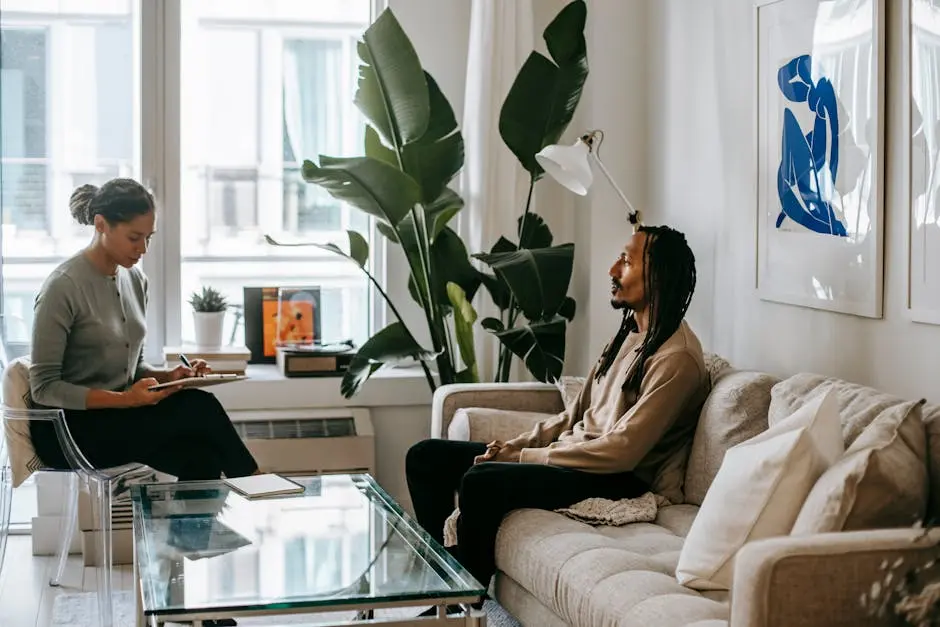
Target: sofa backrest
x=742 y=404
x=859 y=406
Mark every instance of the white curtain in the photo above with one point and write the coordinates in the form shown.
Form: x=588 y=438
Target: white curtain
x=312 y=86
x=493 y=183
x=312 y=111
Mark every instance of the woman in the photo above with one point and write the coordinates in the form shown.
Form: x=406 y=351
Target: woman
x=87 y=356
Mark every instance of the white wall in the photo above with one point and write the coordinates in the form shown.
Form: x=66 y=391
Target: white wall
x=703 y=175
x=646 y=77
x=617 y=101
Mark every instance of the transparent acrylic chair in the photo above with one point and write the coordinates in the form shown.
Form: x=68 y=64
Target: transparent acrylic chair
x=101 y=483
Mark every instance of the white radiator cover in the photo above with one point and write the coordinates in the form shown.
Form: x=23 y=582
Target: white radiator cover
x=309 y=441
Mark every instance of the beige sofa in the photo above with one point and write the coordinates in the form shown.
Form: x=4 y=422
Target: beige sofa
x=553 y=570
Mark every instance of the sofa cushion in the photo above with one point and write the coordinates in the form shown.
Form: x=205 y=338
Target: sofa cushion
x=880 y=482
x=604 y=575
x=759 y=491
x=931 y=414
x=735 y=411
x=570 y=389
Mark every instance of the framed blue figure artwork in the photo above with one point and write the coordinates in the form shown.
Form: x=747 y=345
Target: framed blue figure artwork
x=820 y=129
x=922 y=59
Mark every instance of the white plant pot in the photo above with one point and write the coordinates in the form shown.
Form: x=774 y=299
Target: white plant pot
x=209 y=328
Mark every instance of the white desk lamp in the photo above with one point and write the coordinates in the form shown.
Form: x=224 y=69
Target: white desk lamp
x=569 y=165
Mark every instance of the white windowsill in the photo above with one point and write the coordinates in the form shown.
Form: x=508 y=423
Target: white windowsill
x=266 y=388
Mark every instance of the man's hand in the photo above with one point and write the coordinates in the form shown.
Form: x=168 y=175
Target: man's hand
x=200 y=368
x=497 y=451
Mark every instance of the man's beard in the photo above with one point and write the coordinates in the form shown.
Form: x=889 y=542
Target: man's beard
x=617 y=304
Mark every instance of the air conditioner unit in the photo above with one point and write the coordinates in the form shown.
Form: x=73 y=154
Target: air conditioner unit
x=309 y=441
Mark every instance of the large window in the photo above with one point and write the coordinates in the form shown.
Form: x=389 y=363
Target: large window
x=260 y=93
x=215 y=105
x=68 y=116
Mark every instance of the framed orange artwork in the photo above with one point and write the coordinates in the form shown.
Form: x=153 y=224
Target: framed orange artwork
x=280 y=316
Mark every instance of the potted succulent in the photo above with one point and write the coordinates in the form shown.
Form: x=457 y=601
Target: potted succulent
x=209 y=308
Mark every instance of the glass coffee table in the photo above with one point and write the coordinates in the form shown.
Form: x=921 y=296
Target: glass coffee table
x=203 y=552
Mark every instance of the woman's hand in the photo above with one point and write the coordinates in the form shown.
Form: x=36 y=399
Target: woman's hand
x=139 y=394
x=200 y=368
x=497 y=451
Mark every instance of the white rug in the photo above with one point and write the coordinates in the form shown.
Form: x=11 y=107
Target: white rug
x=81 y=610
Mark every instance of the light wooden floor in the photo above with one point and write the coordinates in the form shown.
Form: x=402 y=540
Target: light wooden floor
x=26 y=599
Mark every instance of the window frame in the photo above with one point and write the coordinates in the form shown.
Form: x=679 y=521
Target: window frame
x=158 y=84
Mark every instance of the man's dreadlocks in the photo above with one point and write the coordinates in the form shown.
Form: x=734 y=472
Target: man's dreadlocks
x=670 y=282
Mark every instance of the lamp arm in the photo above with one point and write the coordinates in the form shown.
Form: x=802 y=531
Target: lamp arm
x=634 y=214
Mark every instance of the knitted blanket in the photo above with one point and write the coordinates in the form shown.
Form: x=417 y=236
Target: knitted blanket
x=593 y=511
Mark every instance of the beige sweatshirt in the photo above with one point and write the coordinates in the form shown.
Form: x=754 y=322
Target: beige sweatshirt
x=607 y=430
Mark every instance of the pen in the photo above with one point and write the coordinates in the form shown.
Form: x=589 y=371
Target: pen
x=186 y=362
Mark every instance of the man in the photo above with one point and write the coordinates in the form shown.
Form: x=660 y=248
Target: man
x=627 y=433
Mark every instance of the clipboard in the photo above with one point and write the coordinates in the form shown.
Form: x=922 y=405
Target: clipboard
x=199 y=382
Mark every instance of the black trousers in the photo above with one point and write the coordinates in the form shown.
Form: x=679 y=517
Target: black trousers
x=187 y=434
x=487 y=492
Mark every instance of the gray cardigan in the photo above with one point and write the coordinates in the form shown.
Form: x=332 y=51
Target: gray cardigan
x=88 y=333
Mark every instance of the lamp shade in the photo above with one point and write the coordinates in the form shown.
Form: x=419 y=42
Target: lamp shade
x=568 y=165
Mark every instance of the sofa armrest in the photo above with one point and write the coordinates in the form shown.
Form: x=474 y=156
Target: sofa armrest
x=534 y=397
x=485 y=425
x=819 y=580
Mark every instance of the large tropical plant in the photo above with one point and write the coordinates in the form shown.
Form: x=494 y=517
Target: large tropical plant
x=413 y=149
x=531 y=276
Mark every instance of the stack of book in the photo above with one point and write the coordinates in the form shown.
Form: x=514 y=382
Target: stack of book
x=224 y=360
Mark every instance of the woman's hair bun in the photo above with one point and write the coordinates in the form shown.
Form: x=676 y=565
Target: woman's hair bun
x=80 y=203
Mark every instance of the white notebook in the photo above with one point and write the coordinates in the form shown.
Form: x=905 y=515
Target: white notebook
x=264 y=486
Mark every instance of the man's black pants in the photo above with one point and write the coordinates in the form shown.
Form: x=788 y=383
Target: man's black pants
x=187 y=434
x=487 y=492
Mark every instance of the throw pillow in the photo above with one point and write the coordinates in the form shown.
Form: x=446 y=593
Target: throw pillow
x=715 y=365
x=880 y=482
x=735 y=411
x=931 y=415
x=759 y=491
x=16 y=395
x=570 y=389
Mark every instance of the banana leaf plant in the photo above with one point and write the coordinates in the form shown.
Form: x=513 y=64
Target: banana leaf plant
x=413 y=149
x=530 y=278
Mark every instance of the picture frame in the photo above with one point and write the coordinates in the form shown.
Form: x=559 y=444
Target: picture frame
x=922 y=222
x=263 y=323
x=820 y=93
